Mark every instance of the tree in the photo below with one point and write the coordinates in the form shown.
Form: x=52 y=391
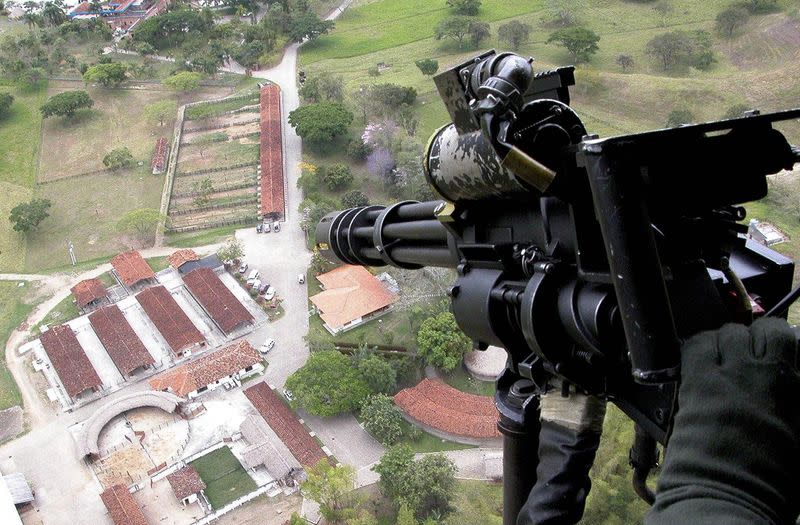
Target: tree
x=625 y=62
x=581 y=43
x=441 y=342
x=679 y=117
x=27 y=215
x=66 y=104
x=428 y=66
x=663 y=9
x=382 y=419
x=669 y=48
x=378 y=373
x=140 y=223
x=731 y=19
x=328 y=385
x=454 y=27
x=465 y=7
x=53 y=14
x=563 y=12
x=478 y=32
x=515 y=33
x=232 y=251
x=394 y=471
x=203 y=190
x=34 y=78
x=160 y=111
x=337 y=176
x=390 y=99
x=308 y=26
x=354 y=198
x=332 y=488
x=313 y=211
x=324 y=86
x=405 y=516
x=321 y=123
x=6 y=99
x=761 y=6
x=119 y=158
x=183 y=81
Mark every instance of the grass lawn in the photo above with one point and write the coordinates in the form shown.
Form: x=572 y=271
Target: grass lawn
x=158 y=263
x=200 y=238
x=224 y=476
x=216 y=108
x=218 y=155
x=88 y=218
x=461 y=379
x=20 y=134
x=430 y=443
x=477 y=503
x=13 y=310
x=64 y=311
x=391 y=329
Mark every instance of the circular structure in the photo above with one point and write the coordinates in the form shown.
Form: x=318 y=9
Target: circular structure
x=485 y=365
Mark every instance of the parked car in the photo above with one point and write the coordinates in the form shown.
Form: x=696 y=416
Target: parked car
x=263 y=288
x=243 y=268
x=266 y=227
x=253 y=275
x=276 y=226
x=301 y=278
x=255 y=284
x=288 y=395
x=269 y=294
x=268 y=345
x=259 y=228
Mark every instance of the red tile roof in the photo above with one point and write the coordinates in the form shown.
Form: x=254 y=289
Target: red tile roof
x=179 y=258
x=66 y=353
x=131 y=268
x=284 y=422
x=159 y=163
x=201 y=372
x=445 y=408
x=350 y=292
x=83 y=7
x=87 y=291
x=171 y=321
x=185 y=482
x=272 y=197
x=220 y=303
x=119 y=339
x=121 y=506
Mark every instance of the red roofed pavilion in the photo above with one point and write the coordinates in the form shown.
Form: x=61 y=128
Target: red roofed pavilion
x=121 y=506
x=89 y=292
x=132 y=269
x=73 y=367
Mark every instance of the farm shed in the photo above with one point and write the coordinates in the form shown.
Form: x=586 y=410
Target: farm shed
x=173 y=324
x=121 y=506
x=225 y=366
x=69 y=360
x=211 y=262
x=181 y=257
x=272 y=197
x=186 y=484
x=284 y=422
x=351 y=296
x=217 y=300
x=89 y=294
x=160 y=156
x=120 y=341
x=133 y=270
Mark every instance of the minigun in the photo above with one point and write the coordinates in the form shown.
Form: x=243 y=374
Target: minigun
x=589 y=260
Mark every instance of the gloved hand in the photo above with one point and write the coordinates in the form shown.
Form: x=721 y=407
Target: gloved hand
x=734 y=454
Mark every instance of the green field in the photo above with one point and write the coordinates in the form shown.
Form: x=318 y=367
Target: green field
x=461 y=379
x=224 y=477
x=13 y=310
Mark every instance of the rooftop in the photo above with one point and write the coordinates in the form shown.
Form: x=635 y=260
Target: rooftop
x=211 y=367
x=181 y=257
x=173 y=324
x=121 y=506
x=120 y=341
x=87 y=291
x=18 y=488
x=272 y=197
x=351 y=292
x=132 y=268
x=185 y=482
x=220 y=303
x=283 y=421
x=66 y=353
x=438 y=405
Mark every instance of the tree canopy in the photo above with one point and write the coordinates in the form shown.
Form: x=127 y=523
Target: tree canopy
x=465 y=7
x=323 y=86
x=427 y=66
x=308 y=26
x=328 y=385
x=66 y=104
x=332 y=488
x=580 y=42
x=441 y=342
x=183 y=81
x=454 y=27
x=515 y=33
x=26 y=216
x=161 y=111
x=140 y=223
x=106 y=75
x=119 y=158
x=382 y=419
x=337 y=176
x=231 y=251
x=322 y=122
x=378 y=373
x=731 y=19
x=354 y=198
x=6 y=99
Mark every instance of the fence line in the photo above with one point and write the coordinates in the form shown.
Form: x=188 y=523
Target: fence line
x=169 y=179
x=217 y=189
x=211 y=207
x=77 y=175
x=235 y=504
x=215 y=170
x=215 y=224
x=222 y=126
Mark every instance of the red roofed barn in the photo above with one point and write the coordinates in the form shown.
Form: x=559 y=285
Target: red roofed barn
x=89 y=294
x=227 y=312
x=181 y=257
x=225 y=366
x=72 y=366
x=120 y=341
x=132 y=269
x=121 y=506
x=272 y=198
x=351 y=296
x=172 y=322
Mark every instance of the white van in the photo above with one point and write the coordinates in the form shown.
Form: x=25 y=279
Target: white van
x=253 y=275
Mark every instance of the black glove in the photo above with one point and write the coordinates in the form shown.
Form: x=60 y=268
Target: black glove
x=734 y=453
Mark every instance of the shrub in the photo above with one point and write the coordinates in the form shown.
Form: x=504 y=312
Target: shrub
x=382 y=419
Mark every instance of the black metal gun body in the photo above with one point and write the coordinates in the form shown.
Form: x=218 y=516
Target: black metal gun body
x=584 y=258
